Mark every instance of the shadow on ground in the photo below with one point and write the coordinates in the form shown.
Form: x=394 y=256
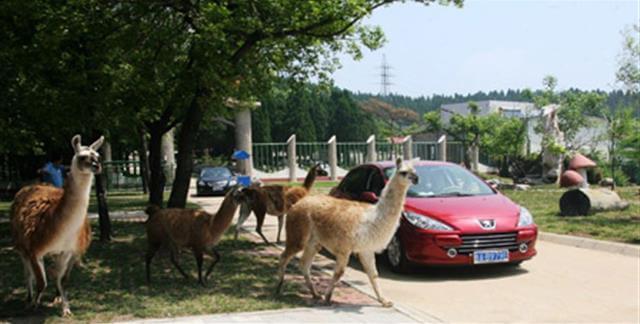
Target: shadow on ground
x=110 y=284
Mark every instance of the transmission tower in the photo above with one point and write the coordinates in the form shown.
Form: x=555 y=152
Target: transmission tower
x=385 y=77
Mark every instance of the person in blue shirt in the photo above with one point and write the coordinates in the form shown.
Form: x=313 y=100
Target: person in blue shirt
x=53 y=171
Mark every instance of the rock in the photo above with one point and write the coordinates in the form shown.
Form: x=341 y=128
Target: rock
x=522 y=187
x=607 y=182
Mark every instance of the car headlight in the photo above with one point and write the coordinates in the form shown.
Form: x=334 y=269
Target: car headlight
x=233 y=182
x=425 y=222
x=201 y=183
x=525 y=218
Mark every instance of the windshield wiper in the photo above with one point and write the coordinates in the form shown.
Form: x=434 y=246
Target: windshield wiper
x=453 y=194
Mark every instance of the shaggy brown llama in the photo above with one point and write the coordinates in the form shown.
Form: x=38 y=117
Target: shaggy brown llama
x=195 y=229
x=273 y=200
x=49 y=221
x=344 y=227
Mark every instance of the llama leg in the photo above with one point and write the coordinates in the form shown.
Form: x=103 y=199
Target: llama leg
x=286 y=256
x=28 y=276
x=245 y=211
x=70 y=264
x=280 y=224
x=305 y=265
x=214 y=254
x=151 y=251
x=260 y=215
x=61 y=264
x=37 y=265
x=368 y=261
x=174 y=259
x=341 y=263
x=198 y=255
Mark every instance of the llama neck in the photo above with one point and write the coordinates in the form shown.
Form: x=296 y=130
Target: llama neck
x=392 y=200
x=77 y=189
x=223 y=217
x=310 y=178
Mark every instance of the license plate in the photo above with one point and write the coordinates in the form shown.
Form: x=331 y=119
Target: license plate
x=490 y=256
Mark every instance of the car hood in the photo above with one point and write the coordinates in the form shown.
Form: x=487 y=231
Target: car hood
x=463 y=213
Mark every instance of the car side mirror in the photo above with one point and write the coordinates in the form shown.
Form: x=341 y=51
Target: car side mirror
x=369 y=196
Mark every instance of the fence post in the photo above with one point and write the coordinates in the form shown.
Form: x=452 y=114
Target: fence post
x=407 y=148
x=333 y=158
x=475 y=156
x=442 y=151
x=291 y=156
x=371 y=149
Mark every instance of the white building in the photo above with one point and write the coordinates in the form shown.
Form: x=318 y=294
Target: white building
x=590 y=137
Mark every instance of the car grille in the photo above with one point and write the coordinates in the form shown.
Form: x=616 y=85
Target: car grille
x=472 y=243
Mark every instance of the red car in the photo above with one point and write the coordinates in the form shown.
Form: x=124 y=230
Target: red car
x=451 y=217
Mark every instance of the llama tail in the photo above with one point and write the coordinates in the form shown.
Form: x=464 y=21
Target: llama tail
x=311 y=176
x=151 y=210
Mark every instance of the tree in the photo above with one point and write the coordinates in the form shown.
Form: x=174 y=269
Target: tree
x=504 y=140
x=466 y=129
x=628 y=70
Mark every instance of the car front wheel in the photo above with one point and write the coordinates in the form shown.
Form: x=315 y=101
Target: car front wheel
x=396 y=256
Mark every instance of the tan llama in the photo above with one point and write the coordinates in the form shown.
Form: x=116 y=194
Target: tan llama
x=273 y=200
x=344 y=227
x=195 y=229
x=51 y=221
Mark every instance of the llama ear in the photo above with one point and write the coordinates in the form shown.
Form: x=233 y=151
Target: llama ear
x=398 y=163
x=75 y=143
x=96 y=145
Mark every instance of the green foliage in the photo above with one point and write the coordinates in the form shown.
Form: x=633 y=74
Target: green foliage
x=505 y=137
x=312 y=112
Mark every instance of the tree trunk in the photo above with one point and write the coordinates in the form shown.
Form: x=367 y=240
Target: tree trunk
x=144 y=162
x=156 y=181
x=184 y=161
x=103 y=210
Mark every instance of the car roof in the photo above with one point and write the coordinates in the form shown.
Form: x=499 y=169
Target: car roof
x=388 y=164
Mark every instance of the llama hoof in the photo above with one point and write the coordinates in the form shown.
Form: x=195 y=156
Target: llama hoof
x=327 y=300
x=66 y=312
x=57 y=300
x=386 y=303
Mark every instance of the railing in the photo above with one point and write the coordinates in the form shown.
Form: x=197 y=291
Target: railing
x=310 y=153
x=388 y=151
x=455 y=152
x=122 y=174
x=351 y=154
x=270 y=157
x=426 y=150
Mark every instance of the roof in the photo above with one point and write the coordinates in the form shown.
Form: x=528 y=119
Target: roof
x=387 y=164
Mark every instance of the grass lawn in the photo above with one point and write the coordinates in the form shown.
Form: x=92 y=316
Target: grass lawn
x=117 y=201
x=620 y=226
x=111 y=286
x=318 y=186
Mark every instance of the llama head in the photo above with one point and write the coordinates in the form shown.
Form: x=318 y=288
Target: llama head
x=86 y=159
x=405 y=172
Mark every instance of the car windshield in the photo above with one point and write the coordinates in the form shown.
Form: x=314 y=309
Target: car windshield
x=444 y=181
x=215 y=173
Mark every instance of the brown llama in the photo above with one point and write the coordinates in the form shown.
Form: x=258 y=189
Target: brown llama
x=51 y=221
x=179 y=228
x=344 y=227
x=273 y=200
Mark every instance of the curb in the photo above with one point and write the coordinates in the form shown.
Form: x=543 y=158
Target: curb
x=591 y=244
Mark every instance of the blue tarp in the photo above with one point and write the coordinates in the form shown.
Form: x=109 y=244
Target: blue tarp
x=240 y=155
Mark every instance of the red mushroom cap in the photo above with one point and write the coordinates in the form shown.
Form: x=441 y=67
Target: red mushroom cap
x=580 y=161
x=570 y=178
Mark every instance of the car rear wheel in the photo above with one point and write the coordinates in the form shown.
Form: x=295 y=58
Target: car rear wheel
x=396 y=257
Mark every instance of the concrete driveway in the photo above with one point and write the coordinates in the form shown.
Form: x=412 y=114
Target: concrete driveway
x=562 y=284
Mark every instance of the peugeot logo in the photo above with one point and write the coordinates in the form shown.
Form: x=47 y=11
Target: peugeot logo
x=487 y=224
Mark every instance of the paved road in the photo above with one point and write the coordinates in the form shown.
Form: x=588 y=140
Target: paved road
x=562 y=284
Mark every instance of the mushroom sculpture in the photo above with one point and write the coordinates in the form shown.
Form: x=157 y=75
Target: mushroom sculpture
x=571 y=178
x=580 y=164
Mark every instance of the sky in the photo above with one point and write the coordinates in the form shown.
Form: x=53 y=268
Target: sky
x=493 y=45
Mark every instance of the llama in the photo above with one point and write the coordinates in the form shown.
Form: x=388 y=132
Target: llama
x=273 y=200
x=178 y=228
x=51 y=221
x=344 y=227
